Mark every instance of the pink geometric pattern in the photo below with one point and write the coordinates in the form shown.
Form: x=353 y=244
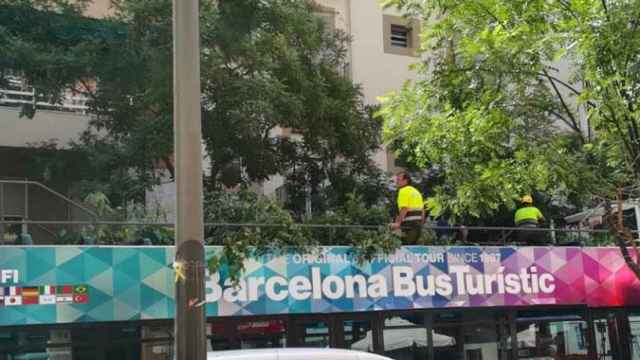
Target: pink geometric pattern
x=608 y=281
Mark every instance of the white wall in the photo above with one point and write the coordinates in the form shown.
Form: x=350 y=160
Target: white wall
x=376 y=71
x=99 y=9
x=45 y=126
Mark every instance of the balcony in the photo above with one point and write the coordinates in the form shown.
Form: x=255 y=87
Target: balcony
x=59 y=121
x=16 y=94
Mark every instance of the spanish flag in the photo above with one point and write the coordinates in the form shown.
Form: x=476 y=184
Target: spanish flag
x=30 y=295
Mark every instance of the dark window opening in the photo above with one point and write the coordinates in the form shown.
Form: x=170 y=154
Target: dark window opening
x=400 y=36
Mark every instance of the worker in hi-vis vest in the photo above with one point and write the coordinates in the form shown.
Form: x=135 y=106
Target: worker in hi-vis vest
x=410 y=209
x=529 y=216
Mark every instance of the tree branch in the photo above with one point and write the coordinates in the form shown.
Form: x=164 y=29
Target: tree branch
x=547 y=75
x=87 y=91
x=574 y=124
x=621 y=235
x=494 y=17
x=614 y=120
x=567 y=6
x=169 y=166
x=566 y=85
x=560 y=117
x=606 y=8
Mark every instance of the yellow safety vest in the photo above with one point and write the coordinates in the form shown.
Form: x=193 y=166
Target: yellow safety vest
x=528 y=214
x=410 y=198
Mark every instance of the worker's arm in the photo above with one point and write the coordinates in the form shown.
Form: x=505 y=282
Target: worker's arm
x=400 y=218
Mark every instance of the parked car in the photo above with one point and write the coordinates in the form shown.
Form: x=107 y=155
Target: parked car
x=293 y=354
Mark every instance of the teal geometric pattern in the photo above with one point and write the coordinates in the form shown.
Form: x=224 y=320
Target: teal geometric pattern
x=138 y=283
x=124 y=283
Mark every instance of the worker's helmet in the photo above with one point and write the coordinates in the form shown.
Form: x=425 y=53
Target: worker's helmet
x=527 y=199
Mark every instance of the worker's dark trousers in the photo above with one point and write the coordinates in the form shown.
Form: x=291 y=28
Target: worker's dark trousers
x=530 y=237
x=411 y=232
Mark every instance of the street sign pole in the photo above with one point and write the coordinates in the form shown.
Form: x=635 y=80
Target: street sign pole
x=190 y=334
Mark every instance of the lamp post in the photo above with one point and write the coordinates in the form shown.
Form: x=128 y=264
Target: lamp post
x=190 y=334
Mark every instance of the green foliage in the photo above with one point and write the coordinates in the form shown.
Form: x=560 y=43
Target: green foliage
x=359 y=225
x=242 y=242
x=498 y=116
x=53 y=47
x=265 y=66
x=258 y=226
x=145 y=225
x=272 y=65
x=332 y=188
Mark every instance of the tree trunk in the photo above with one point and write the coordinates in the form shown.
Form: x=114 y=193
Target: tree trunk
x=623 y=236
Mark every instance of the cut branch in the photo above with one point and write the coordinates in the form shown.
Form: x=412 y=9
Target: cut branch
x=621 y=234
x=574 y=123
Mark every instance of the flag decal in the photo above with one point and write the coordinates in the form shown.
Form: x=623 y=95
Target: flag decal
x=44 y=295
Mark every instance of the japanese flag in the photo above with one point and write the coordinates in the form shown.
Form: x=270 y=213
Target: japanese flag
x=13 y=300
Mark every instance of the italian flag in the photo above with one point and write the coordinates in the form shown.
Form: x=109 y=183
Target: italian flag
x=47 y=294
x=47 y=290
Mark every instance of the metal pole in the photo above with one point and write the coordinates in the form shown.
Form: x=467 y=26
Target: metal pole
x=636 y=210
x=25 y=227
x=1 y=213
x=190 y=334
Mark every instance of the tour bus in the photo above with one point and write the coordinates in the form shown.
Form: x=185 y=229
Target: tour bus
x=421 y=302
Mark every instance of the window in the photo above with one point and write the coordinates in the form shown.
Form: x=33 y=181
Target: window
x=470 y=335
x=634 y=325
x=157 y=342
x=400 y=36
x=313 y=334
x=551 y=335
x=405 y=336
x=262 y=334
x=358 y=334
x=35 y=344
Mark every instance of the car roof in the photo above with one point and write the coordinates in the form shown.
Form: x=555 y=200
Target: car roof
x=273 y=353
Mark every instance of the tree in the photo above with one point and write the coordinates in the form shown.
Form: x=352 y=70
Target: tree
x=330 y=188
x=55 y=50
x=265 y=65
x=520 y=97
x=50 y=45
x=498 y=116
